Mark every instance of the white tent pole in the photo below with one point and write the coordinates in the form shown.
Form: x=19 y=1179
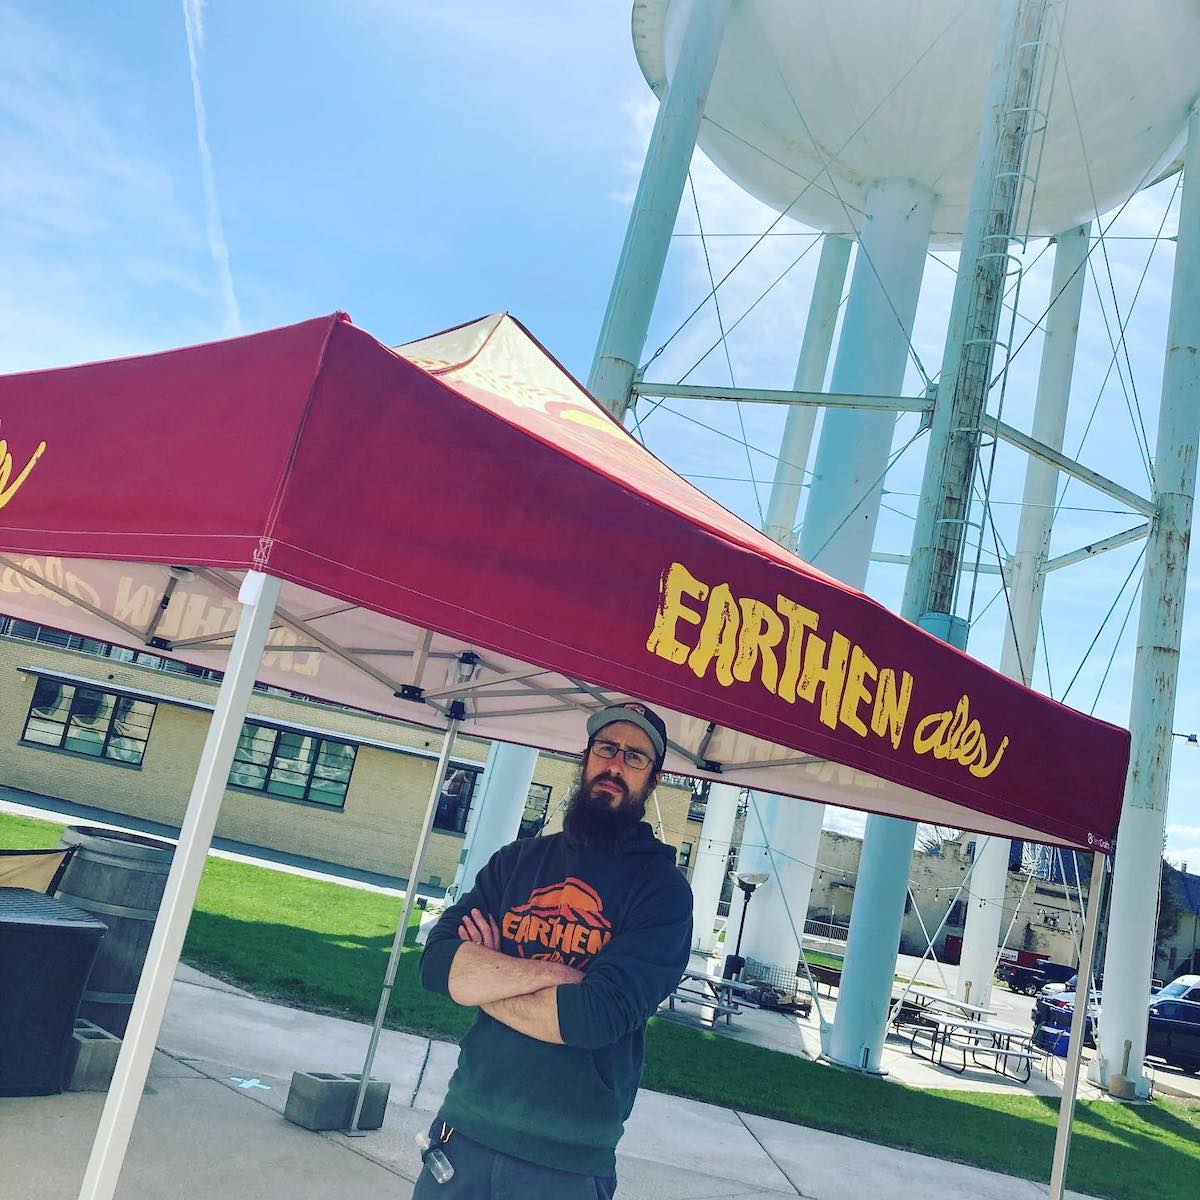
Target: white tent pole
x=1066 y=1107
x=257 y=596
x=410 y=895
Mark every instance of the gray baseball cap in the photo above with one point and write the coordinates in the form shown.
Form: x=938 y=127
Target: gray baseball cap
x=636 y=713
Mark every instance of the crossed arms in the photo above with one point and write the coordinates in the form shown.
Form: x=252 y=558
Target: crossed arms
x=521 y=993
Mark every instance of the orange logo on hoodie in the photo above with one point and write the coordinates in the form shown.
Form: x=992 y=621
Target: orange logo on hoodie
x=562 y=922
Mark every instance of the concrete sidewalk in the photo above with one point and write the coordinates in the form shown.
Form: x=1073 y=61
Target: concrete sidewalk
x=210 y=1126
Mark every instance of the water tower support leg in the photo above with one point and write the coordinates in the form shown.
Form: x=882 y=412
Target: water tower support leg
x=708 y=875
x=794 y=447
x=655 y=207
x=496 y=810
x=1129 y=952
x=1026 y=585
x=847 y=486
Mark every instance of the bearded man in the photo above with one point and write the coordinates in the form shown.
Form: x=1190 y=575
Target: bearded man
x=566 y=944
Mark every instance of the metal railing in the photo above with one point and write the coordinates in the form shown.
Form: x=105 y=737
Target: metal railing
x=827 y=930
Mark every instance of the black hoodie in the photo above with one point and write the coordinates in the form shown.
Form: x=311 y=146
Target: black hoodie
x=624 y=917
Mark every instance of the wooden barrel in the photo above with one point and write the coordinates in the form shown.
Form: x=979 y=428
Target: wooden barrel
x=119 y=877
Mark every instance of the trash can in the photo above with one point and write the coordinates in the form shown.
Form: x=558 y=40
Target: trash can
x=47 y=948
x=119 y=878
x=1053 y=1041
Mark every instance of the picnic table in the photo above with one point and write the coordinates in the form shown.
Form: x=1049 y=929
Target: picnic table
x=998 y=1048
x=917 y=1006
x=709 y=991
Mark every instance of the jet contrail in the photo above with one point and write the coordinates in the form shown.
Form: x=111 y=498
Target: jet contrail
x=193 y=20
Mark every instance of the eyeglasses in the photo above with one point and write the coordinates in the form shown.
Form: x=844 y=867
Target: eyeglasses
x=638 y=759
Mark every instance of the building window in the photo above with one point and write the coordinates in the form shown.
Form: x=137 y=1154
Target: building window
x=698 y=803
x=537 y=805
x=958 y=913
x=685 y=856
x=291 y=764
x=454 y=800
x=87 y=721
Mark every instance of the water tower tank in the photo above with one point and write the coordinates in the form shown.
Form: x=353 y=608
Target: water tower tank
x=826 y=98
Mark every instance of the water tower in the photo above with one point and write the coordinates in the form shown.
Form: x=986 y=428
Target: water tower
x=863 y=120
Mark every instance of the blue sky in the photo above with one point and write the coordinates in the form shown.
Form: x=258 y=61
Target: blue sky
x=420 y=164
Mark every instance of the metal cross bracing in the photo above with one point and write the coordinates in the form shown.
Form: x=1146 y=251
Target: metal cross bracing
x=421 y=667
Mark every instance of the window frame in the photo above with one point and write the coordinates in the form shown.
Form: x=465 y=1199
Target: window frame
x=536 y=825
x=74 y=707
x=474 y=773
x=319 y=741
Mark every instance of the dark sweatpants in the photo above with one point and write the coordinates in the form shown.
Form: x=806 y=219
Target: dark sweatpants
x=483 y=1174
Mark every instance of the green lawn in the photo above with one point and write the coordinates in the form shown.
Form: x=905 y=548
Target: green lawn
x=323 y=947
x=818 y=958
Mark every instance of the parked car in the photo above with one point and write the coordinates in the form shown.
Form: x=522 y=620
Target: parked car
x=1058 y=982
x=1055 y=1012
x=1019 y=978
x=1173 y=1027
x=1026 y=972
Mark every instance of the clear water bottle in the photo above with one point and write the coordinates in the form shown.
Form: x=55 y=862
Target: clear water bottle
x=439 y=1165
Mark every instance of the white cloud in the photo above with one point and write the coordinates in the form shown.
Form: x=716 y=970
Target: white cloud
x=193 y=20
x=98 y=257
x=845 y=820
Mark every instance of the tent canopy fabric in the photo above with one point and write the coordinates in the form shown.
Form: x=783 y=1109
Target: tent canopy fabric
x=39 y=870
x=462 y=531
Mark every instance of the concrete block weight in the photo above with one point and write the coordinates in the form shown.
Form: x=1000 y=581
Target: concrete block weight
x=324 y=1100
x=91 y=1059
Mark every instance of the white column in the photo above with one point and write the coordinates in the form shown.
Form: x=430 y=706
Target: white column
x=810 y=377
x=843 y=502
x=712 y=854
x=860 y=1024
x=655 y=207
x=752 y=859
x=1129 y=952
x=496 y=810
x=1026 y=583
x=775 y=924
x=258 y=597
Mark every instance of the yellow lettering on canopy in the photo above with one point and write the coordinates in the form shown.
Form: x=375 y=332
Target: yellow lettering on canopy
x=829 y=674
x=762 y=631
x=861 y=670
x=969 y=740
x=891 y=707
x=744 y=640
x=9 y=490
x=959 y=737
x=799 y=621
x=676 y=583
x=928 y=734
x=982 y=769
x=718 y=636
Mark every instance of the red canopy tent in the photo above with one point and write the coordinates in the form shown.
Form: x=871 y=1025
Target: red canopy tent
x=460 y=535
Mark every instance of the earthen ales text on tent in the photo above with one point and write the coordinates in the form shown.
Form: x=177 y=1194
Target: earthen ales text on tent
x=741 y=638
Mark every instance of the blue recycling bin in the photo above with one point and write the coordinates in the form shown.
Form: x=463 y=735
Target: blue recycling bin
x=47 y=948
